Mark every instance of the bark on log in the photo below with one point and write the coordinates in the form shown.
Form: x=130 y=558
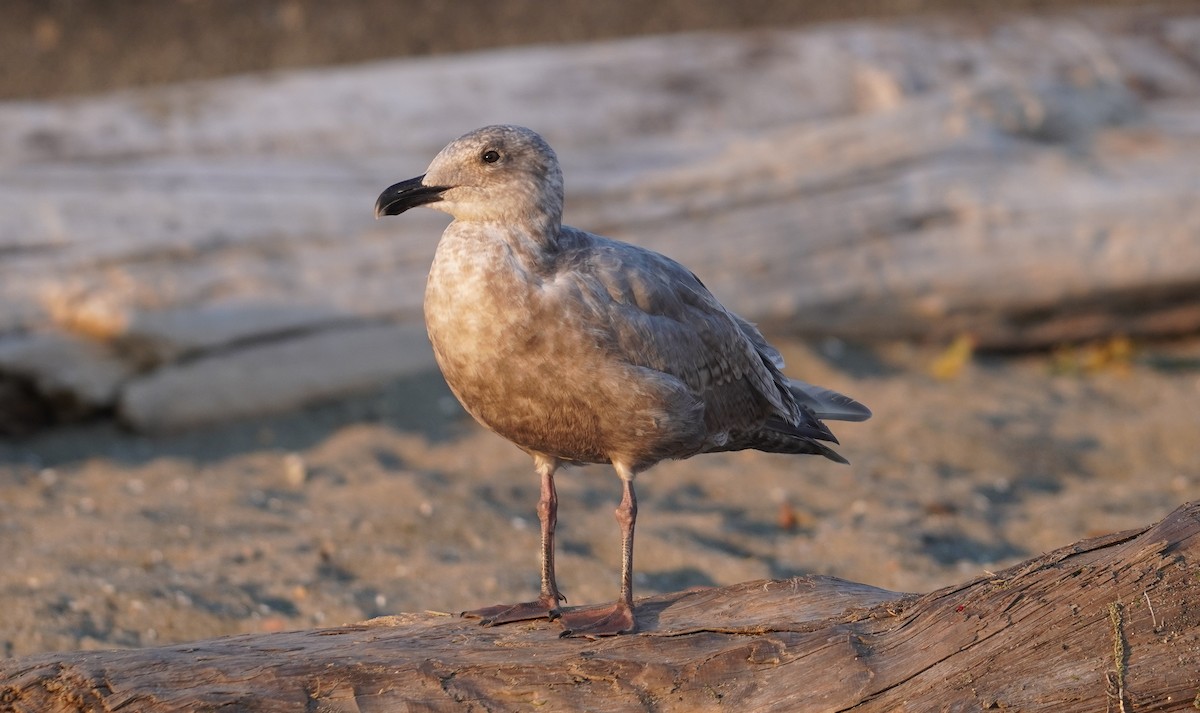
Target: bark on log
x=1105 y=624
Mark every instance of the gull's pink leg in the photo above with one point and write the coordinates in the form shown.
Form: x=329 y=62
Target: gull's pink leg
x=616 y=618
x=546 y=605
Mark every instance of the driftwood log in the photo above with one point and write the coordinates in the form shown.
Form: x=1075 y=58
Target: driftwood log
x=187 y=254
x=1111 y=623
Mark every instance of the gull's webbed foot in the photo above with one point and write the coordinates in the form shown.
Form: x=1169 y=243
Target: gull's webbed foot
x=593 y=622
x=542 y=608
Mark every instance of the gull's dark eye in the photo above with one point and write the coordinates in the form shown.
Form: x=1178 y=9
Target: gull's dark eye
x=491 y=156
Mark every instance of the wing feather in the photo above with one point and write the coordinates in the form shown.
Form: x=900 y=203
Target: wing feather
x=662 y=317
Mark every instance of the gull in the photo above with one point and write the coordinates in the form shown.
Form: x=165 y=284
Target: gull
x=581 y=349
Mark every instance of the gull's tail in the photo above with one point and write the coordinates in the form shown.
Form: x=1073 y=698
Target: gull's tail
x=827 y=403
x=817 y=403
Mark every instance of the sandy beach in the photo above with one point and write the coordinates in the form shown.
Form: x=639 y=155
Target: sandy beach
x=396 y=501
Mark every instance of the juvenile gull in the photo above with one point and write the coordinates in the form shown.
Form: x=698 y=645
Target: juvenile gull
x=580 y=349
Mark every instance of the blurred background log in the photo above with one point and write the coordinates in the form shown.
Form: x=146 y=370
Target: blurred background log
x=56 y=47
x=1104 y=624
x=1027 y=182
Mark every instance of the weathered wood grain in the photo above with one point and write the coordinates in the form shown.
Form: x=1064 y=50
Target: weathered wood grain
x=1104 y=624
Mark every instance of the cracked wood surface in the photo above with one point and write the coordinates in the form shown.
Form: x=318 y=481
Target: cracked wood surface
x=1042 y=635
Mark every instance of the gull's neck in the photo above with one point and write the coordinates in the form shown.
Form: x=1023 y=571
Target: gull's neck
x=533 y=240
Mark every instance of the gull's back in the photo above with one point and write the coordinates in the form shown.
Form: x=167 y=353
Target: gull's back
x=658 y=315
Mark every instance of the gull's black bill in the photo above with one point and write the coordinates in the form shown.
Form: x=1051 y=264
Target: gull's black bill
x=400 y=197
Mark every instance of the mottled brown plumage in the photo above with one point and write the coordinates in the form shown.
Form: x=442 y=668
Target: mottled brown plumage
x=581 y=349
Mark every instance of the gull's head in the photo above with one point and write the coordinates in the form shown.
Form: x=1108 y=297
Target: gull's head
x=497 y=173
